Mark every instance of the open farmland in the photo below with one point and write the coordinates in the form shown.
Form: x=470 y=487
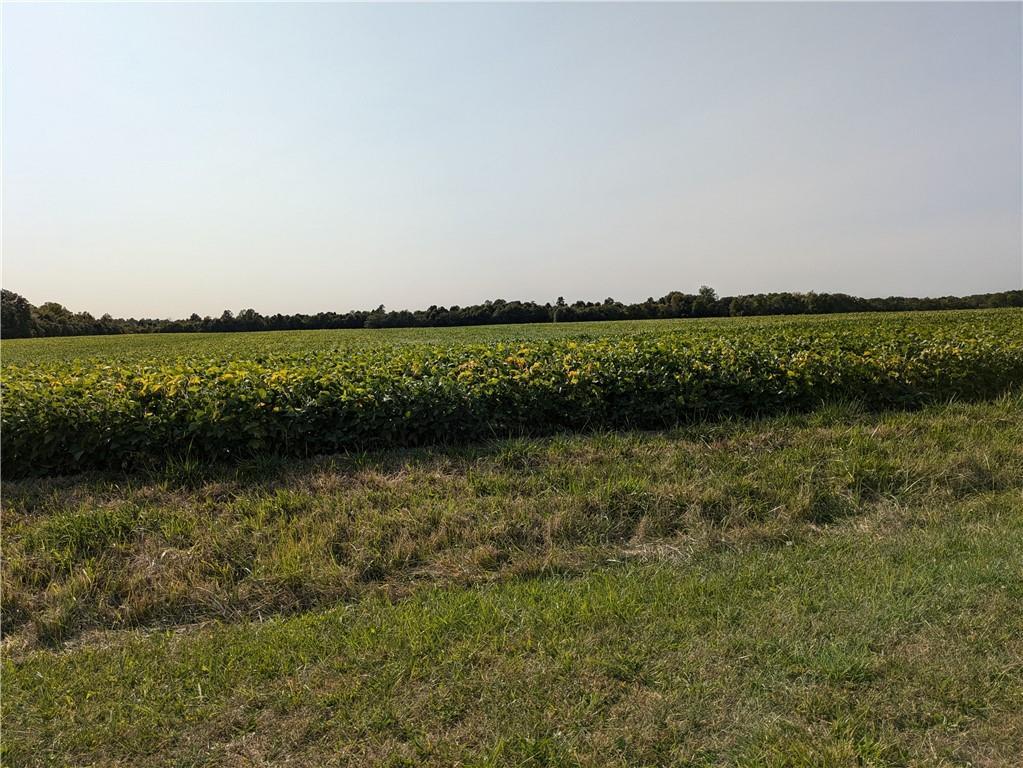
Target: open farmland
x=511 y=385
x=84 y=413
x=168 y=347
x=786 y=541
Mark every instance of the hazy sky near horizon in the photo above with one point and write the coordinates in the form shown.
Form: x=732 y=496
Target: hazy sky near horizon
x=164 y=159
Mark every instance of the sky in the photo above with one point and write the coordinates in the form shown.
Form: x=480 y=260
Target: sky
x=164 y=159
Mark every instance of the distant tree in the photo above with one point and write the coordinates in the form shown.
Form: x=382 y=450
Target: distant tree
x=19 y=318
x=15 y=316
x=559 y=308
x=53 y=319
x=377 y=318
x=703 y=306
x=248 y=320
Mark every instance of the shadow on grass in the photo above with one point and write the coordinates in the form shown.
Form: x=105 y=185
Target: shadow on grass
x=185 y=541
x=268 y=471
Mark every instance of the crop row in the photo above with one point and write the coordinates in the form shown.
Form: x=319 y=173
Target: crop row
x=62 y=418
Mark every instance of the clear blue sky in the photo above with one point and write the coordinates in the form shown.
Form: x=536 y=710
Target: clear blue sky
x=163 y=159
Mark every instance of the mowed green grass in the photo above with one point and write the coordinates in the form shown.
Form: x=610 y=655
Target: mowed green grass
x=840 y=587
x=171 y=346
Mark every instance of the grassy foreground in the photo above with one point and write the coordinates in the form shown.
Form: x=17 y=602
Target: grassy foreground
x=837 y=588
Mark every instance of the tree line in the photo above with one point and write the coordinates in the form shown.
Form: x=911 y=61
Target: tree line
x=21 y=319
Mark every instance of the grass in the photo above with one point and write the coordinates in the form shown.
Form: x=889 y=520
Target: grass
x=856 y=648
x=833 y=588
x=188 y=543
